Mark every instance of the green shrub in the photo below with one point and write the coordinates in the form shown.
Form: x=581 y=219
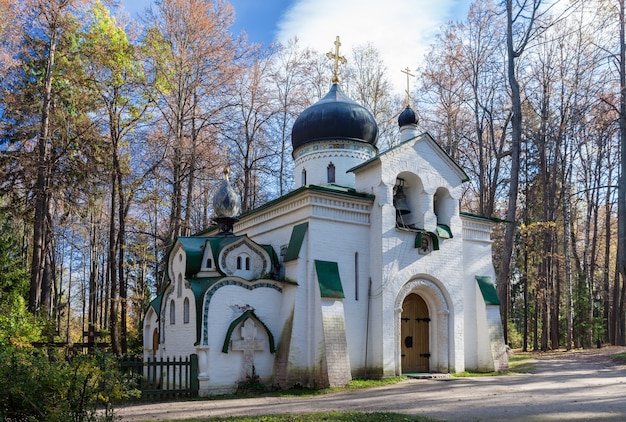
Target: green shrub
x=46 y=385
x=39 y=386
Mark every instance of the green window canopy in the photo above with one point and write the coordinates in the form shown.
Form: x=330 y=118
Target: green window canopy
x=443 y=231
x=295 y=243
x=488 y=290
x=328 y=279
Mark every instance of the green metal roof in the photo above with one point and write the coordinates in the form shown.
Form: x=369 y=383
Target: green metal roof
x=482 y=217
x=328 y=279
x=488 y=290
x=295 y=243
x=273 y=256
x=156 y=304
x=194 y=250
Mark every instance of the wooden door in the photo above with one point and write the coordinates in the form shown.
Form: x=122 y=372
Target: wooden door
x=415 y=349
x=155 y=342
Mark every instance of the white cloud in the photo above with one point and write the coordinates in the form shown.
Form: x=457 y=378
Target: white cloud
x=402 y=30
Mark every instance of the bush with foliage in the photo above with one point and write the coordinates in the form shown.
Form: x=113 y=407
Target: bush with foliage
x=46 y=385
x=40 y=385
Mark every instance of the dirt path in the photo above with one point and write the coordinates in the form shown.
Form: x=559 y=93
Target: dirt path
x=579 y=386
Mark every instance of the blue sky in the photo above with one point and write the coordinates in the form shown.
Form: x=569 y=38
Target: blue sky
x=259 y=18
x=401 y=30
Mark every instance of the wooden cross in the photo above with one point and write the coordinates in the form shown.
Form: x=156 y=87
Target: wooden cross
x=408 y=74
x=338 y=59
x=248 y=345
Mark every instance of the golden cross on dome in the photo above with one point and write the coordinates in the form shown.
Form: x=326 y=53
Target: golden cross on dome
x=408 y=74
x=338 y=59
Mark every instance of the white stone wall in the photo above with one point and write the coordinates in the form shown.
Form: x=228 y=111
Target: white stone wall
x=178 y=338
x=338 y=230
x=227 y=304
x=336 y=354
x=426 y=171
x=315 y=158
x=485 y=349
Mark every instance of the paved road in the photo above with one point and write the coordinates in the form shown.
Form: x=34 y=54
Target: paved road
x=575 y=386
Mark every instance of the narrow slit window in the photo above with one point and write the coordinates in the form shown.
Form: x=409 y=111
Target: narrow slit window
x=356 y=276
x=330 y=172
x=172 y=312
x=186 y=311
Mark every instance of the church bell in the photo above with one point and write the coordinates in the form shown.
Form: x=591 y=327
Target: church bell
x=399 y=200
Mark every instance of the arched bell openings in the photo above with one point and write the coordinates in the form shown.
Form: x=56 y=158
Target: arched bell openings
x=444 y=207
x=408 y=200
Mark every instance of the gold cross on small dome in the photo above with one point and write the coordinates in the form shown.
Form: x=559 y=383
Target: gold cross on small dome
x=408 y=74
x=338 y=59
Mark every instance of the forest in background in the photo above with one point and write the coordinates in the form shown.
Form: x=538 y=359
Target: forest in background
x=114 y=134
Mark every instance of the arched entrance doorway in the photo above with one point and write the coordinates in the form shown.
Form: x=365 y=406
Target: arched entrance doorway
x=414 y=335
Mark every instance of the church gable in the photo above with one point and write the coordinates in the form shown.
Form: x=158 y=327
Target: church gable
x=208 y=266
x=244 y=258
x=423 y=157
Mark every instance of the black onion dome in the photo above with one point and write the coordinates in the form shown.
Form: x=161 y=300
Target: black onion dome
x=334 y=117
x=407 y=117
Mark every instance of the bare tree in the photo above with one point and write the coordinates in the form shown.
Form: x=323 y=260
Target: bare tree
x=191 y=54
x=520 y=28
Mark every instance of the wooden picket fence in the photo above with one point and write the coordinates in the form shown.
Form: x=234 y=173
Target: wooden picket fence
x=163 y=378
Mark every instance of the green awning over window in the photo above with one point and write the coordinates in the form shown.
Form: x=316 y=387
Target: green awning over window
x=444 y=231
x=488 y=290
x=328 y=279
x=295 y=243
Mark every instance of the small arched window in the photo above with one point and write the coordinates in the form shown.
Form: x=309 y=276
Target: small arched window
x=247 y=263
x=179 y=289
x=172 y=312
x=186 y=311
x=209 y=263
x=330 y=173
x=303 y=177
x=238 y=262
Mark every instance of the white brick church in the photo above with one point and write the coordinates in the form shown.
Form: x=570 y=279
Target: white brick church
x=367 y=269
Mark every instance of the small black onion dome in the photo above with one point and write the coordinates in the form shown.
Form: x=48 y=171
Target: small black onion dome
x=407 y=117
x=226 y=201
x=334 y=117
